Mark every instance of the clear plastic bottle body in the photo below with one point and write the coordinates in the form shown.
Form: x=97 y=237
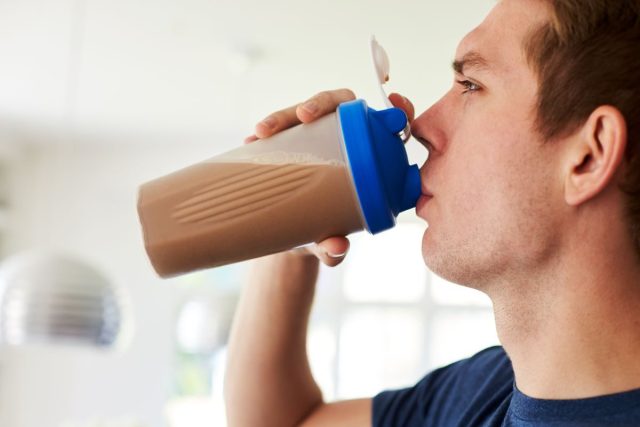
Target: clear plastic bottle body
x=285 y=191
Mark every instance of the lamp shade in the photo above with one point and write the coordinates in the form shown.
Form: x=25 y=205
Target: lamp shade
x=49 y=298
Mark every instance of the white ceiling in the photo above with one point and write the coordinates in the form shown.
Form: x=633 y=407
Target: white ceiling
x=211 y=67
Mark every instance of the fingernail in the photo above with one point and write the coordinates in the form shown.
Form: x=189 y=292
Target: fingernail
x=336 y=255
x=310 y=107
x=269 y=122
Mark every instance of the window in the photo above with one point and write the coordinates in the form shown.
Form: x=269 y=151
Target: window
x=381 y=320
x=394 y=320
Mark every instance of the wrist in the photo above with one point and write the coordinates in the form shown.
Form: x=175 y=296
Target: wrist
x=296 y=261
x=286 y=270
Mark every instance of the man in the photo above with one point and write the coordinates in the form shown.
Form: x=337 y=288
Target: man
x=532 y=195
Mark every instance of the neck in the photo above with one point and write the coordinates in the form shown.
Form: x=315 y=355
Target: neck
x=575 y=333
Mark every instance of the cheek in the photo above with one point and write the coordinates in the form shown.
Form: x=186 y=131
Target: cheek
x=489 y=177
x=477 y=195
x=487 y=167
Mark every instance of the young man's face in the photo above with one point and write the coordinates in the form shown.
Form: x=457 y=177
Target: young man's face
x=495 y=185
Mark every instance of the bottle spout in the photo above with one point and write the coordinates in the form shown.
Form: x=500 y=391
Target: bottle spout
x=412 y=188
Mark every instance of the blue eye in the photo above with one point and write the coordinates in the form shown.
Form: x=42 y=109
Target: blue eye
x=468 y=86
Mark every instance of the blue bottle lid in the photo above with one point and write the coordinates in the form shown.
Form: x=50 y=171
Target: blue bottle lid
x=383 y=179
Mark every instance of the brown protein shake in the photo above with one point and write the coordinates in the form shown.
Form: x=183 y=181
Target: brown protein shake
x=217 y=213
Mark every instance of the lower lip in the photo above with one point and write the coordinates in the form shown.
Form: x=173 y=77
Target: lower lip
x=422 y=201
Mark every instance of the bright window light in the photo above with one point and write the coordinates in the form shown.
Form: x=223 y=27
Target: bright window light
x=379 y=348
x=321 y=348
x=387 y=267
x=460 y=333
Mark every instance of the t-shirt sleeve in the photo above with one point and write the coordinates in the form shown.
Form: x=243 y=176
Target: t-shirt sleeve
x=444 y=394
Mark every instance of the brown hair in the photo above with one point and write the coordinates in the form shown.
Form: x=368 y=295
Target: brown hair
x=588 y=55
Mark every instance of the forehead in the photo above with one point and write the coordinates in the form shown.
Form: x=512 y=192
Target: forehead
x=499 y=38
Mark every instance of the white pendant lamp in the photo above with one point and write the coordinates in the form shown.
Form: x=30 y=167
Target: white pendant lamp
x=48 y=298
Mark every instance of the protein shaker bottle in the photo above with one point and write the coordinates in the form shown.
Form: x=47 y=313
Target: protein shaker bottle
x=346 y=172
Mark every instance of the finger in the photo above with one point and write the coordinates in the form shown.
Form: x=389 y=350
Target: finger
x=323 y=103
x=331 y=251
x=403 y=103
x=276 y=122
x=250 y=139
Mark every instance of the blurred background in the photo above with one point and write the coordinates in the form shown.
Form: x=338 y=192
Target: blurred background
x=97 y=97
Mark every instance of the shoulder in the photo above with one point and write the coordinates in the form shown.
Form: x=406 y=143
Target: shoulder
x=449 y=392
x=482 y=373
x=492 y=362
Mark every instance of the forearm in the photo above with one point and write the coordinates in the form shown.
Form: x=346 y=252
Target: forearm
x=268 y=379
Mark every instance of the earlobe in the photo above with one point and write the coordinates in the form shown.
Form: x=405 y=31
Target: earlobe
x=596 y=152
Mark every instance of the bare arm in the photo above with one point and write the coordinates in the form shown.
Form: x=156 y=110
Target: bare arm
x=268 y=380
x=268 y=377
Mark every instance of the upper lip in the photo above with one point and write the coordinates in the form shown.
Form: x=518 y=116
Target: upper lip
x=426 y=192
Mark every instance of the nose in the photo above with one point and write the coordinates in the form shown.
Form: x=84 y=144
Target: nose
x=429 y=128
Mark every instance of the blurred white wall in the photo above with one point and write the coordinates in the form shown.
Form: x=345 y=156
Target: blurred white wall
x=81 y=200
x=211 y=65
x=99 y=96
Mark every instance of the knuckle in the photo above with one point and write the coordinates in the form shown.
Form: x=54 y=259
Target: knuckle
x=323 y=97
x=275 y=117
x=346 y=93
x=331 y=97
x=286 y=116
x=284 y=113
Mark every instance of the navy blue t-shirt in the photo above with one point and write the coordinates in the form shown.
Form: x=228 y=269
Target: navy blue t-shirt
x=481 y=391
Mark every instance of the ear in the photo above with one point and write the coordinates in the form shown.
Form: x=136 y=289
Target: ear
x=596 y=152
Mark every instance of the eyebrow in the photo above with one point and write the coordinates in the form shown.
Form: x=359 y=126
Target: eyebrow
x=469 y=60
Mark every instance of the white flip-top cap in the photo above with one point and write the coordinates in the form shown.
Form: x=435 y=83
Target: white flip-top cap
x=381 y=66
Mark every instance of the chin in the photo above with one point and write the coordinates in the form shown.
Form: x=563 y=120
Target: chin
x=426 y=248
x=433 y=256
x=449 y=261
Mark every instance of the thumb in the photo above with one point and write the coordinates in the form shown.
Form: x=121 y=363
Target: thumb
x=404 y=104
x=331 y=251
